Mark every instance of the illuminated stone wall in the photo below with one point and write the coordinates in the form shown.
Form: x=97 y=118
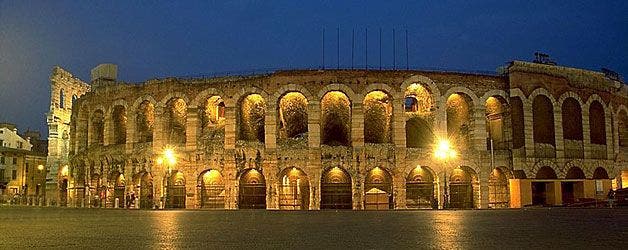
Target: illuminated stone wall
x=312 y=122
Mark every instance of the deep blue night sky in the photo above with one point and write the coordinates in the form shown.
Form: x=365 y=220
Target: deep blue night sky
x=149 y=39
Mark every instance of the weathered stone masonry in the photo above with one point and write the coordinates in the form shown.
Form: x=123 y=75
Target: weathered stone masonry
x=347 y=139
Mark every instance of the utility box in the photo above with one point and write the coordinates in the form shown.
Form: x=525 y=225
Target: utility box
x=105 y=71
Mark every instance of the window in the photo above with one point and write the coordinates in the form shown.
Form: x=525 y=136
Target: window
x=20 y=144
x=61 y=99
x=13 y=174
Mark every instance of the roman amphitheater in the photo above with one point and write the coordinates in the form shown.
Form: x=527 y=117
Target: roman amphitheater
x=532 y=134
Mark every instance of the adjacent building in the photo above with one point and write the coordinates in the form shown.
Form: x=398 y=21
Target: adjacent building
x=532 y=134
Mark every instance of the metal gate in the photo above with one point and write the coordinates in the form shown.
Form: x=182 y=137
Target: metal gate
x=212 y=196
x=460 y=195
x=252 y=196
x=118 y=193
x=420 y=194
x=146 y=195
x=539 y=194
x=498 y=194
x=294 y=196
x=336 y=196
x=63 y=193
x=176 y=196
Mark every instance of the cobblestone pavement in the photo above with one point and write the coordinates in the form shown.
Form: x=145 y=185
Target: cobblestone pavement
x=542 y=228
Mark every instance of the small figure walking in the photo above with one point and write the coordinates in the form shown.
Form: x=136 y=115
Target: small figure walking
x=611 y=197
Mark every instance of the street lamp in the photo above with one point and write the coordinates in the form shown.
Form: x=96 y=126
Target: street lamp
x=444 y=152
x=169 y=158
x=40 y=186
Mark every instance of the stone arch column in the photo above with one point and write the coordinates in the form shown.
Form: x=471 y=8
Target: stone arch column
x=479 y=128
x=158 y=129
x=399 y=121
x=270 y=125
x=399 y=187
x=314 y=124
x=483 y=176
x=130 y=130
x=230 y=124
x=558 y=131
x=528 y=125
x=357 y=123
x=586 y=134
x=608 y=126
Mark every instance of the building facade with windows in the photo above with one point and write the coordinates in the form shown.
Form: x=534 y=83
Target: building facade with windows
x=534 y=134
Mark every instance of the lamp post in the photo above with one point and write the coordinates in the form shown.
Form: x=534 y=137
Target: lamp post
x=444 y=152
x=169 y=159
x=40 y=200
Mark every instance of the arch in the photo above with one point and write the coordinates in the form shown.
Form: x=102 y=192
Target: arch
x=431 y=86
x=575 y=173
x=335 y=87
x=119 y=121
x=600 y=173
x=292 y=112
x=463 y=183
x=251 y=118
x=545 y=172
x=284 y=89
x=97 y=127
x=175 y=120
x=211 y=113
x=173 y=95
x=378 y=190
x=460 y=111
x=175 y=192
x=597 y=123
x=517 y=122
x=142 y=99
x=420 y=186
x=543 y=120
x=498 y=188
x=378 y=113
x=144 y=121
x=294 y=189
x=146 y=190
x=336 y=119
x=379 y=87
x=572 y=119
x=211 y=189
x=419 y=106
x=246 y=91
x=252 y=190
x=475 y=102
x=336 y=189
x=495 y=93
x=204 y=95
x=496 y=124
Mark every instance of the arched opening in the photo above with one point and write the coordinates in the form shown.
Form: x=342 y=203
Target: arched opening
x=600 y=173
x=498 y=190
x=542 y=191
x=418 y=107
x=336 y=119
x=378 y=112
x=543 y=121
x=572 y=128
x=294 y=190
x=212 y=118
x=212 y=190
x=144 y=122
x=61 y=99
x=292 y=117
x=146 y=191
x=462 y=182
x=336 y=189
x=175 y=120
x=97 y=190
x=175 y=190
x=459 y=120
x=378 y=190
x=74 y=99
x=82 y=128
x=495 y=122
x=97 y=128
x=597 y=123
x=251 y=118
x=517 y=122
x=573 y=186
x=63 y=193
x=118 y=117
x=252 y=190
x=623 y=130
x=118 y=182
x=420 y=189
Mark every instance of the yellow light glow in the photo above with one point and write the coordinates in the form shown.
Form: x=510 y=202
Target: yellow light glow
x=40 y=167
x=65 y=170
x=160 y=161
x=170 y=156
x=444 y=150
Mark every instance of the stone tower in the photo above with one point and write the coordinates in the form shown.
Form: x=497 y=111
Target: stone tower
x=64 y=90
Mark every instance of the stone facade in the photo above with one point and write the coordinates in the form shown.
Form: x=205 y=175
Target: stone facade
x=342 y=139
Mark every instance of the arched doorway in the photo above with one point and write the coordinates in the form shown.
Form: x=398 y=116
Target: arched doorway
x=573 y=186
x=378 y=190
x=175 y=192
x=542 y=187
x=294 y=190
x=336 y=189
x=252 y=190
x=212 y=190
x=96 y=191
x=63 y=193
x=119 y=184
x=335 y=119
x=146 y=191
x=498 y=191
x=420 y=189
x=461 y=183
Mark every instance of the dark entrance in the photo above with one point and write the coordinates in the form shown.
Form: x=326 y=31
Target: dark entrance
x=420 y=189
x=63 y=193
x=294 y=191
x=175 y=197
x=336 y=189
x=212 y=190
x=252 y=190
x=461 y=189
x=378 y=190
x=118 y=190
x=146 y=191
x=539 y=193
